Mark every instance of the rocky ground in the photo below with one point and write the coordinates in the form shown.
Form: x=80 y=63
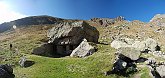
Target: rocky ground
x=99 y=47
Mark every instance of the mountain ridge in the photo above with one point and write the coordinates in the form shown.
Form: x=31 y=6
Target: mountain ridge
x=32 y=20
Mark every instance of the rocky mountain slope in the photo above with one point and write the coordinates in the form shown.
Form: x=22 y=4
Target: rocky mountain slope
x=123 y=49
x=33 y=20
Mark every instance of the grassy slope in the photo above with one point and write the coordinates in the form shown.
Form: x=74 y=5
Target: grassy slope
x=90 y=67
x=26 y=39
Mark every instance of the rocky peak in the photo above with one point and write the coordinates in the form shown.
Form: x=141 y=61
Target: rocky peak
x=107 y=21
x=158 y=20
x=158 y=16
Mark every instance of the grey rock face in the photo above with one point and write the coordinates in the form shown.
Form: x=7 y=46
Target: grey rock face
x=84 y=49
x=129 y=52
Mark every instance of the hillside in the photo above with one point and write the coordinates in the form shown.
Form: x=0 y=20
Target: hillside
x=32 y=20
x=32 y=33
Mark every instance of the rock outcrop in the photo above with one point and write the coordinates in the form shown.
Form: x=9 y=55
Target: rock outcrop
x=107 y=21
x=84 y=49
x=67 y=36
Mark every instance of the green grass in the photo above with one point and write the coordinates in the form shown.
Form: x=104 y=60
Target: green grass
x=145 y=72
x=67 y=67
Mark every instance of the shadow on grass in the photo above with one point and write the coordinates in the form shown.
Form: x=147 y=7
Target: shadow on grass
x=29 y=63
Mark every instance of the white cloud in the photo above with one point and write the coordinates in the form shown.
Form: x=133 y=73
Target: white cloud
x=7 y=14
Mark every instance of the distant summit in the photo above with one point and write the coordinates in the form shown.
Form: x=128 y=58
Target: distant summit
x=158 y=20
x=158 y=16
x=107 y=21
x=32 y=20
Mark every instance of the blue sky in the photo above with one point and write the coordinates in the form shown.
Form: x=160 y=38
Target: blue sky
x=142 y=10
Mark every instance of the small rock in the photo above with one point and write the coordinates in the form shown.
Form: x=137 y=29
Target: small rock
x=22 y=61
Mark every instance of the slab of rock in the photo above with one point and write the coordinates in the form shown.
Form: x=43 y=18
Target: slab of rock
x=66 y=36
x=84 y=49
x=72 y=33
x=129 y=52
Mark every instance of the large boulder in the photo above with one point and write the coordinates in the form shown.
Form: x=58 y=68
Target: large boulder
x=72 y=33
x=6 y=71
x=151 y=44
x=129 y=52
x=122 y=67
x=119 y=65
x=123 y=42
x=146 y=45
x=66 y=36
x=84 y=49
